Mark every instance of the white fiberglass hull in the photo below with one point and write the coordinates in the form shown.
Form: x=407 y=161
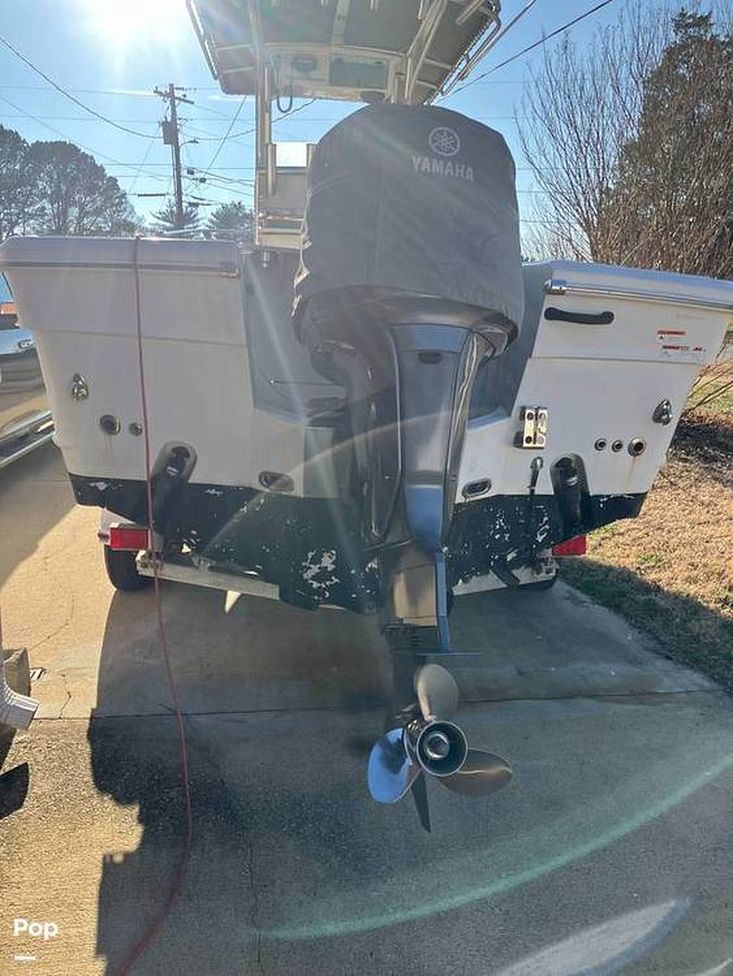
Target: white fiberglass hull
x=612 y=365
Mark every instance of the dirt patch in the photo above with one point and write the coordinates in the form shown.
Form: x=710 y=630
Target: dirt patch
x=670 y=571
x=706 y=438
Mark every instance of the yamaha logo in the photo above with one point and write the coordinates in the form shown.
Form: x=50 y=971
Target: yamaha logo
x=444 y=141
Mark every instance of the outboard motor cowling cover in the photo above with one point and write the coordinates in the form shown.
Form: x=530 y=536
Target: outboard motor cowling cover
x=406 y=200
x=410 y=277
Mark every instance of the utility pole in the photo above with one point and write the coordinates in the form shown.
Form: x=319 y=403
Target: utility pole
x=171 y=137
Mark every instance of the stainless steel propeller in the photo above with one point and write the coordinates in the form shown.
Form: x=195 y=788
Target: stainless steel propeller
x=431 y=743
x=437 y=692
x=391 y=771
x=482 y=773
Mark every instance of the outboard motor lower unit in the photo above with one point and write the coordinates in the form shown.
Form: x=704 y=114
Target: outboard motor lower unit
x=410 y=276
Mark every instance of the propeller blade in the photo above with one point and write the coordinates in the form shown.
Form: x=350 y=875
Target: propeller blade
x=437 y=692
x=391 y=772
x=481 y=773
x=420 y=796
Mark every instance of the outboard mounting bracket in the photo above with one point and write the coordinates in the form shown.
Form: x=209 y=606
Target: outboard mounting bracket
x=535 y=424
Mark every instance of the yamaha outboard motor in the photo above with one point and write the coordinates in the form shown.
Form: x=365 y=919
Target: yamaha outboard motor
x=410 y=276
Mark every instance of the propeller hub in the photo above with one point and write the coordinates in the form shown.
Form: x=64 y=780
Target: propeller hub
x=437 y=745
x=440 y=748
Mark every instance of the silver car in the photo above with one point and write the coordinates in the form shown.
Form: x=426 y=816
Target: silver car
x=25 y=420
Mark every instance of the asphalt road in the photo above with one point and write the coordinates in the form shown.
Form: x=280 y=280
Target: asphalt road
x=610 y=851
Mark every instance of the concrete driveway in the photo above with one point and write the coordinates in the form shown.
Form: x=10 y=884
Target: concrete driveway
x=610 y=851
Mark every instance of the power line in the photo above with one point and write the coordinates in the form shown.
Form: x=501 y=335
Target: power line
x=217 y=169
x=230 y=179
x=85 y=91
x=135 y=93
x=6 y=43
x=142 y=164
x=531 y=47
x=205 y=135
x=285 y=115
x=206 y=174
x=65 y=137
x=244 y=169
x=211 y=111
x=83 y=118
x=120 y=93
x=223 y=183
x=229 y=194
x=241 y=187
x=226 y=134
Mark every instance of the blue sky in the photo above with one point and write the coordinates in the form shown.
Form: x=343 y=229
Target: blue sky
x=112 y=53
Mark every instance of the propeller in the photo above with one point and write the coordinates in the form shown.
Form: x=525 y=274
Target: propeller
x=481 y=774
x=391 y=771
x=431 y=743
x=437 y=692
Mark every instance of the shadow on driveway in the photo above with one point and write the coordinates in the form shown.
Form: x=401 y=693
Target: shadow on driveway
x=35 y=494
x=294 y=871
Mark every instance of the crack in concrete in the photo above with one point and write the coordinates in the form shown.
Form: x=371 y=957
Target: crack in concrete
x=54 y=633
x=166 y=713
x=52 y=672
x=64 y=678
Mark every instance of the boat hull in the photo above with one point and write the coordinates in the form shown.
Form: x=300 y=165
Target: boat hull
x=311 y=547
x=607 y=357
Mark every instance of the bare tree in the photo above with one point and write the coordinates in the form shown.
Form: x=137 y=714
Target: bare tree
x=582 y=107
x=631 y=140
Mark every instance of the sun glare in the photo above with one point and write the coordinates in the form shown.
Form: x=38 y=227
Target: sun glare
x=127 y=23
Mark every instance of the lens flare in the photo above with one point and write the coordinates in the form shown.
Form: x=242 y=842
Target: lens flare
x=134 y=23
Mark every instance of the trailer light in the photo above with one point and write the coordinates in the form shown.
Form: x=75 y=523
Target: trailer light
x=128 y=537
x=573 y=547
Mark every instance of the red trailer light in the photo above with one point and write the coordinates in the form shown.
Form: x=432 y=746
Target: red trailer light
x=573 y=547
x=128 y=537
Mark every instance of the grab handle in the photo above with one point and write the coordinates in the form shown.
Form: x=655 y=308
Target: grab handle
x=579 y=318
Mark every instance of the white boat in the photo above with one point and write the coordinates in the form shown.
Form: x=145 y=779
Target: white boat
x=432 y=419
x=592 y=387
